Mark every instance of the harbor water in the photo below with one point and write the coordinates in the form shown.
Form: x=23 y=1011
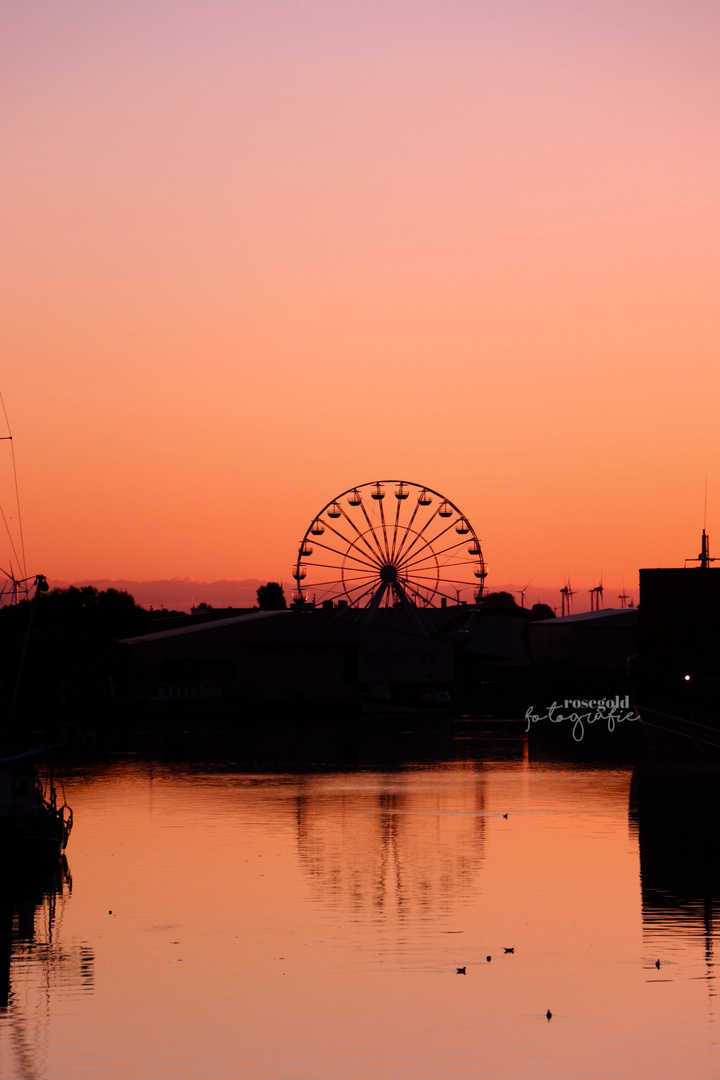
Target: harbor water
x=224 y=921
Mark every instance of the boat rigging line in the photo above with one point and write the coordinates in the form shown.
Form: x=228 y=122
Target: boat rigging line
x=19 y=556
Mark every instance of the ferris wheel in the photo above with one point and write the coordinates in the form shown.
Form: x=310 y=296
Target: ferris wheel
x=388 y=543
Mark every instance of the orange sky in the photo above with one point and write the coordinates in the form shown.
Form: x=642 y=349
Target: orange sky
x=254 y=254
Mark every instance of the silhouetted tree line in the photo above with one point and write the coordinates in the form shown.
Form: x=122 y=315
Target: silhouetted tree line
x=106 y=613
x=71 y=666
x=114 y=614
x=501 y=601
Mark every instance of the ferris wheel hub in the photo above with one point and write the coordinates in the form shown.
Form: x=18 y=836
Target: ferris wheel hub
x=388 y=574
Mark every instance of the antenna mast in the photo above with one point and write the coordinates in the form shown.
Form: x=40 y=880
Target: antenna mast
x=704 y=557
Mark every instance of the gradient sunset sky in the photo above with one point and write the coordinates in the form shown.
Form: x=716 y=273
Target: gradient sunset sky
x=256 y=253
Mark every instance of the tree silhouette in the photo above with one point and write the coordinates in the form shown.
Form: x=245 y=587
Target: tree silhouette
x=541 y=611
x=108 y=613
x=271 y=597
x=499 y=599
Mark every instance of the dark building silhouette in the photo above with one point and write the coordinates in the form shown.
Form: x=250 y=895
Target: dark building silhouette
x=680 y=619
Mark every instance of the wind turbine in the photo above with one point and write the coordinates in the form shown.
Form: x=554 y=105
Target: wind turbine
x=14 y=589
x=567 y=593
x=596 y=596
x=521 y=593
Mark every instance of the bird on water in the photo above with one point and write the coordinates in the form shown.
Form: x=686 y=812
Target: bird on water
x=510 y=950
x=461 y=971
x=549 y=1015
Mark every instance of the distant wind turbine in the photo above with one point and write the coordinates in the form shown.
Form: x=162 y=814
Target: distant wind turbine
x=521 y=593
x=596 y=594
x=567 y=593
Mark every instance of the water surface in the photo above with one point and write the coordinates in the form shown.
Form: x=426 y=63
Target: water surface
x=226 y=924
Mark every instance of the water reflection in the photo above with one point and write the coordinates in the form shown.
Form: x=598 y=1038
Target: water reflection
x=35 y=963
x=678 y=811
x=410 y=843
x=299 y=923
x=677 y=808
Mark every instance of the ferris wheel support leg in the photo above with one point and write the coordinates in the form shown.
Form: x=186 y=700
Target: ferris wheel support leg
x=409 y=606
x=376 y=601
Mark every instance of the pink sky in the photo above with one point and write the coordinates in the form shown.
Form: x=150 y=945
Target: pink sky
x=256 y=254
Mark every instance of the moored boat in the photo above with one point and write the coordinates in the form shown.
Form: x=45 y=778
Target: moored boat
x=34 y=825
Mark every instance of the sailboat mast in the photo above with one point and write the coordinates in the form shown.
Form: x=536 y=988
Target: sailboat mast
x=41 y=586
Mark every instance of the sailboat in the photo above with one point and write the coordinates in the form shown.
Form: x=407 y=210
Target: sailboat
x=34 y=825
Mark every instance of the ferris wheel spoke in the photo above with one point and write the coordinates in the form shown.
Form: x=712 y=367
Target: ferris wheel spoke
x=343 y=555
x=459 y=564
x=427 y=544
x=385 y=539
x=443 y=570
x=361 y=578
x=395 y=529
x=372 y=531
x=368 y=592
x=362 y=536
x=429 y=559
x=352 y=585
x=433 y=539
x=356 y=599
x=446 y=580
x=407 y=530
x=422 y=571
x=457 y=558
x=418 y=534
x=382 y=594
x=355 y=582
x=423 y=586
x=411 y=556
x=447 y=566
x=339 y=567
x=403 y=550
x=435 y=553
x=449 y=596
x=351 y=543
x=426 y=601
